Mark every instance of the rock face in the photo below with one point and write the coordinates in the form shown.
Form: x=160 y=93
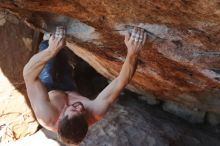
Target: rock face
x=133 y=123
x=16 y=118
x=179 y=63
x=193 y=116
x=38 y=139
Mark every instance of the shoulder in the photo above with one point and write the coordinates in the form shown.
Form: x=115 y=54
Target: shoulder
x=58 y=99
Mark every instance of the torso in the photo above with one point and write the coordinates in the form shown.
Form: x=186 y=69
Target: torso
x=76 y=97
x=61 y=99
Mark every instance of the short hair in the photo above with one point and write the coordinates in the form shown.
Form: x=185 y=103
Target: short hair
x=73 y=130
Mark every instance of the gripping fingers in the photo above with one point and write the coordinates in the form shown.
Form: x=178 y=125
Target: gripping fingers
x=141 y=37
x=133 y=35
x=144 y=38
x=137 y=37
x=127 y=37
x=52 y=37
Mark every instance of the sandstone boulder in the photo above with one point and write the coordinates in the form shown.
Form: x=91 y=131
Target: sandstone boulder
x=179 y=63
x=16 y=117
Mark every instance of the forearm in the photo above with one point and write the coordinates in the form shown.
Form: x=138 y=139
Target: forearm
x=134 y=43
x=124 y=77
x=108 y=96
x=128 y=69
x=35 y=65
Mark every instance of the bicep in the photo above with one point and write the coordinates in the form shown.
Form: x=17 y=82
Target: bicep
x=107 y=97
x=37 y=92
x=39 y=99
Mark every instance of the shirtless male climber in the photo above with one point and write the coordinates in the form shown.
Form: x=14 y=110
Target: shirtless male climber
x=63 y=110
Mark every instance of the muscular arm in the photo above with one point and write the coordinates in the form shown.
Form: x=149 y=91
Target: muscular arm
x=37 y=92
x=35 y=65
x=108 y=96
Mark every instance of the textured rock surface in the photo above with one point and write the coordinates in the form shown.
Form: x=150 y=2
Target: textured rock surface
x=133 y=123
x=180 y=62
x=213 y=118
x=16 y=118
x=150 y=99
x=191 y=115
x=38 y=139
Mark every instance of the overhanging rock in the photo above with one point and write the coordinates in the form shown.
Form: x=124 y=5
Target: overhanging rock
x=180 y=61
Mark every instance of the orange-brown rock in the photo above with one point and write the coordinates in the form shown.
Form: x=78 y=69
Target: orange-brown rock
x=16 y=117
x=180 y=61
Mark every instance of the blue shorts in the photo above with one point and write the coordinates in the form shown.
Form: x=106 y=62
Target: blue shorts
x=66 y=84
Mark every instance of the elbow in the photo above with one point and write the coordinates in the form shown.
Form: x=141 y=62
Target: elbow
x=27 y=68
x=47 y=123
x=26 y=73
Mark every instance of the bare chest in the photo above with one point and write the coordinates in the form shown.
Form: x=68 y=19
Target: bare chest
x=73 y=97
x=59 y=99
